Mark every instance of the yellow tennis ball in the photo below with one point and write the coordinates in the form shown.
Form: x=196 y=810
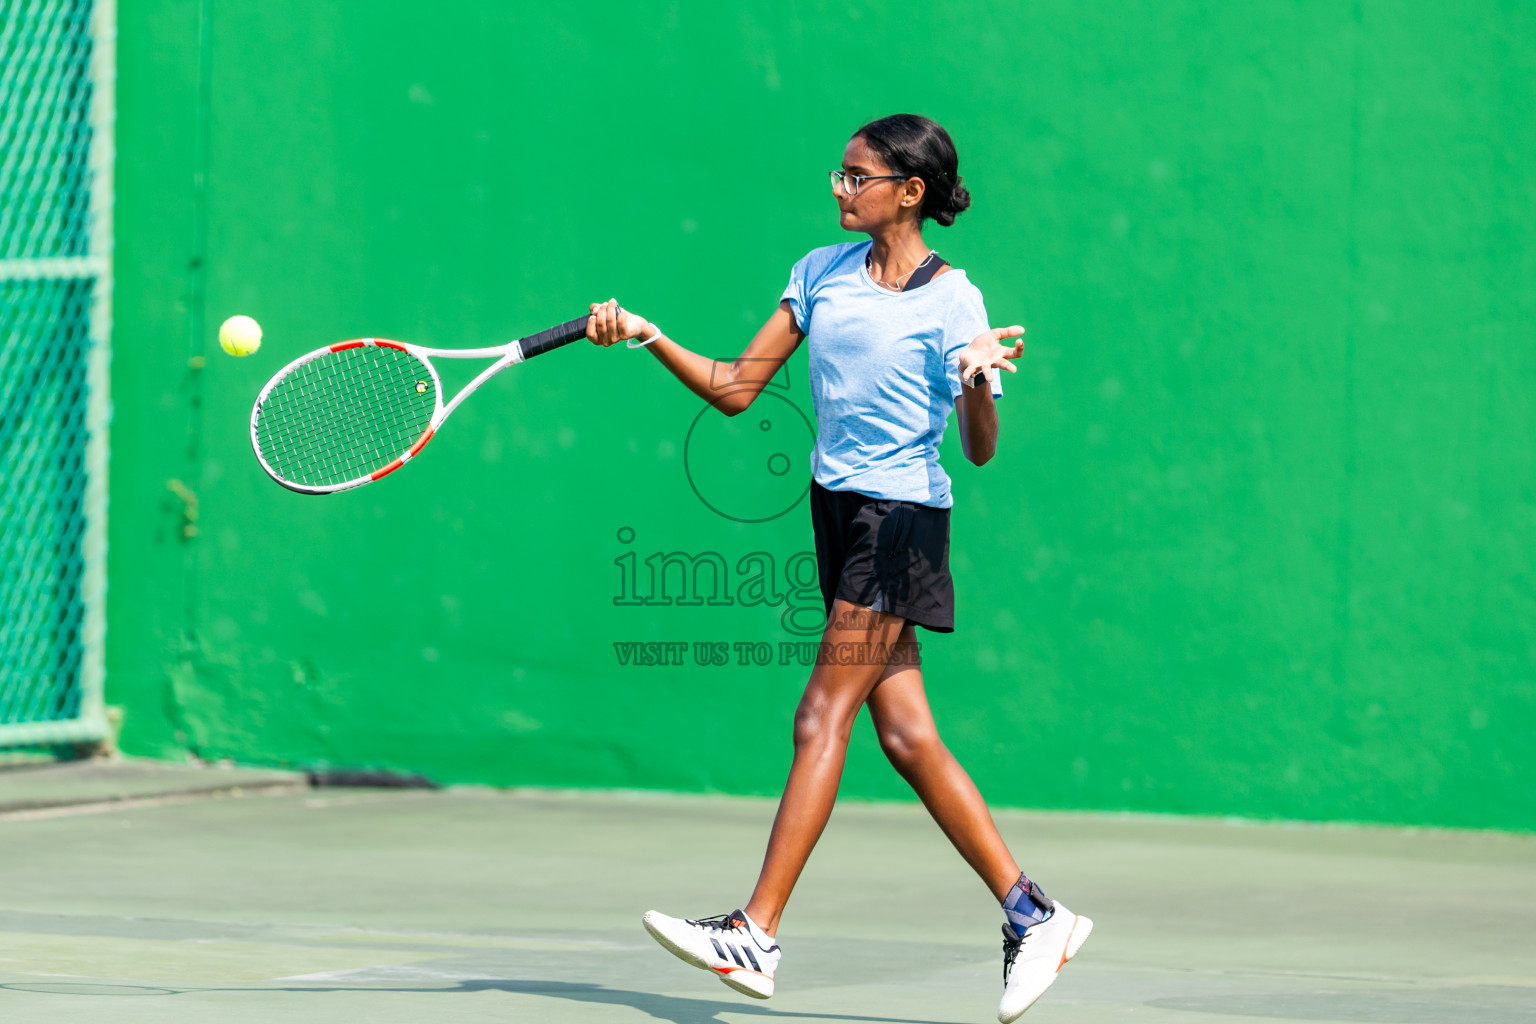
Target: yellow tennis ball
x=240 y=335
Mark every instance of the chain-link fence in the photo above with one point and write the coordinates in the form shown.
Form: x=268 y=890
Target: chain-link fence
x=56 y=77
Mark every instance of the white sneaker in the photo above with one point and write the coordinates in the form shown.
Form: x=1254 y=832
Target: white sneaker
x=1031 y=962
x=725 y=945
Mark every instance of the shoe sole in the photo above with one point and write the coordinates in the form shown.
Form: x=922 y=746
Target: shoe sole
x=1082 y=927
x=728 y=975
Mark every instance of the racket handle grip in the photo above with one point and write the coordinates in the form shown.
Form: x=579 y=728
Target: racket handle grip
x=564 y=334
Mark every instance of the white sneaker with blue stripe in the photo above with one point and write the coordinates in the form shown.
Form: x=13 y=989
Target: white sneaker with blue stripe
x=738 y=953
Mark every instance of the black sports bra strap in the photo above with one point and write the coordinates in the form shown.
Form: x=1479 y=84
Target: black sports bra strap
x=925 y=273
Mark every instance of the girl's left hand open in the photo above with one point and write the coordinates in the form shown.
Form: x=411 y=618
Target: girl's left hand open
x=987 y=350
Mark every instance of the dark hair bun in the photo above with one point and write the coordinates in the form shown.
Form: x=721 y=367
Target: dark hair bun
x=959 y=201
x=915 y=146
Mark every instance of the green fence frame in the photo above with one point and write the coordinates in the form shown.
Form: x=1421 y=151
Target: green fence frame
x=94 y=267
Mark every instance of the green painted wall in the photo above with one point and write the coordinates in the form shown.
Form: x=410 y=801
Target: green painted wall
x=1259 y=536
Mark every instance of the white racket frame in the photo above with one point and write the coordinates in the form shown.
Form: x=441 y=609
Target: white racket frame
x=505 y=356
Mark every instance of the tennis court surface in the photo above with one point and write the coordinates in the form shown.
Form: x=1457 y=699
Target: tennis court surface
x=295 y=904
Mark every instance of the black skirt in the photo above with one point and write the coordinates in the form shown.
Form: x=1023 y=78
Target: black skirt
x=888 y=556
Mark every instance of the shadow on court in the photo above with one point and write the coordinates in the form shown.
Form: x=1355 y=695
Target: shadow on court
x=676 y=1009
x=1463 y=1004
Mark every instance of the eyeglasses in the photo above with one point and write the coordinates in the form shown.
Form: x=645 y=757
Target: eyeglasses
x=853 y=182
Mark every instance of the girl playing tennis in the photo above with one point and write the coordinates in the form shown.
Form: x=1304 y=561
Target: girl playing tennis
x=898 y=339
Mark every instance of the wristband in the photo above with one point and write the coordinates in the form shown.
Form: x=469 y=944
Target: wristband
x=631 y=343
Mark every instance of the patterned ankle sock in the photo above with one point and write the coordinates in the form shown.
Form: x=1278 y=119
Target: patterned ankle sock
x=1026 y=905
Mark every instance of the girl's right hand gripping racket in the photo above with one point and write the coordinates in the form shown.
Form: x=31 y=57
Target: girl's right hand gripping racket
x=345 y=415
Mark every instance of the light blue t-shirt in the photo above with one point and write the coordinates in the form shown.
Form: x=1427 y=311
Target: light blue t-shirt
x=885 y=372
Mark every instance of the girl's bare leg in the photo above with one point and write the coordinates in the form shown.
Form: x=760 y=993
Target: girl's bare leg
x=898 y=705
x=823 y=722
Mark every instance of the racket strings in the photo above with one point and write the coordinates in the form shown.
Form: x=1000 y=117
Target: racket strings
x=345 y=415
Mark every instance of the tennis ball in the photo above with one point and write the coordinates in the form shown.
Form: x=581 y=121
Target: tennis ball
x=240 y=335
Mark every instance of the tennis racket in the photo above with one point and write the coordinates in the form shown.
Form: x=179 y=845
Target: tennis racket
x=347 y=414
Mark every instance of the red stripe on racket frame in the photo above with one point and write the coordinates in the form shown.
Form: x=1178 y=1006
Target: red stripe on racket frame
x=402 y=460
x=378 y=342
